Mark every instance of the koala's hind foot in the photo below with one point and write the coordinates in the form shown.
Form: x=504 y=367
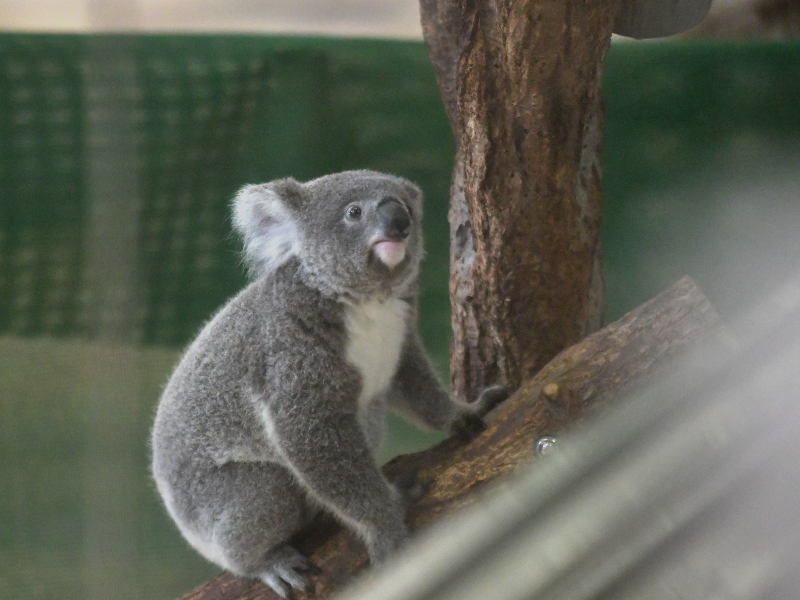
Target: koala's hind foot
x=283 y=569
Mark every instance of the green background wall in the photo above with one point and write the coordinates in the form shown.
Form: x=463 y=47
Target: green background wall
x=700 y=176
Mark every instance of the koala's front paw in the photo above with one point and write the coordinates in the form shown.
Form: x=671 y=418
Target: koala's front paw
x=467 y=426
x=470 y=423
x=491 y=397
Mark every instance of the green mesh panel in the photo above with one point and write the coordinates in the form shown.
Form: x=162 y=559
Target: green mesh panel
x=209 y=113
x=40 y=185
x=199 y=117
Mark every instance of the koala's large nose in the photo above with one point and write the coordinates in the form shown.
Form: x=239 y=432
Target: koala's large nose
x=394 y=218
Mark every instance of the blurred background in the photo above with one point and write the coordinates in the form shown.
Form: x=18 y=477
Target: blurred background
x=380 y=18
x=119 y=155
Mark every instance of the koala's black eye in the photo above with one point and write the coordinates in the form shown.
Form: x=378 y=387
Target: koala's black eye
x=353 y=213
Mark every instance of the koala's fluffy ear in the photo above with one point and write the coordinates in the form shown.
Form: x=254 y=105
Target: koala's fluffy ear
x=263 y=216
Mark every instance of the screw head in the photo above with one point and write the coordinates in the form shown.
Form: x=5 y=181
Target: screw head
x=545 y=445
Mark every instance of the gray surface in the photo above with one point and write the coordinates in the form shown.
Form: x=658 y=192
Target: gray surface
x=659 y=18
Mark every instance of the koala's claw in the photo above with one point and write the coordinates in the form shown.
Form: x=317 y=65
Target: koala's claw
x=286 y=573
x=467 y=426
x=419 y=489
x=409 y=487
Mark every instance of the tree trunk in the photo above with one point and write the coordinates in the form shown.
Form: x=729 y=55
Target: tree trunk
x=584 y=377
x=521 y=84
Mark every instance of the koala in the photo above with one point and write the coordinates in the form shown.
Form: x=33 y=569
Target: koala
x=276 y=410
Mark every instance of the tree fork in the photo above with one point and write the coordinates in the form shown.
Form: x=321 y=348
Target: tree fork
x=521 y=83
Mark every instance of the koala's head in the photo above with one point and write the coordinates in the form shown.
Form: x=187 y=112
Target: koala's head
x=357 y=234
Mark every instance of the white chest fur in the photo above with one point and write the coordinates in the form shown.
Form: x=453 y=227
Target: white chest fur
x=375 y=334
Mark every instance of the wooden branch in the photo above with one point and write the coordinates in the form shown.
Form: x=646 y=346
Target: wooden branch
x=584 y=377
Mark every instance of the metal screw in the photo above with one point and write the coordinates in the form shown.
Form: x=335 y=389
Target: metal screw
x=545 y=445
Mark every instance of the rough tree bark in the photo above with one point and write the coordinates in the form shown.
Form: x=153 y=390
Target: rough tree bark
x=583 y=378
x=521 y=83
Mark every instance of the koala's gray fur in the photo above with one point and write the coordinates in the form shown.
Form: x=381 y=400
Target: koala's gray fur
x=277 y=408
